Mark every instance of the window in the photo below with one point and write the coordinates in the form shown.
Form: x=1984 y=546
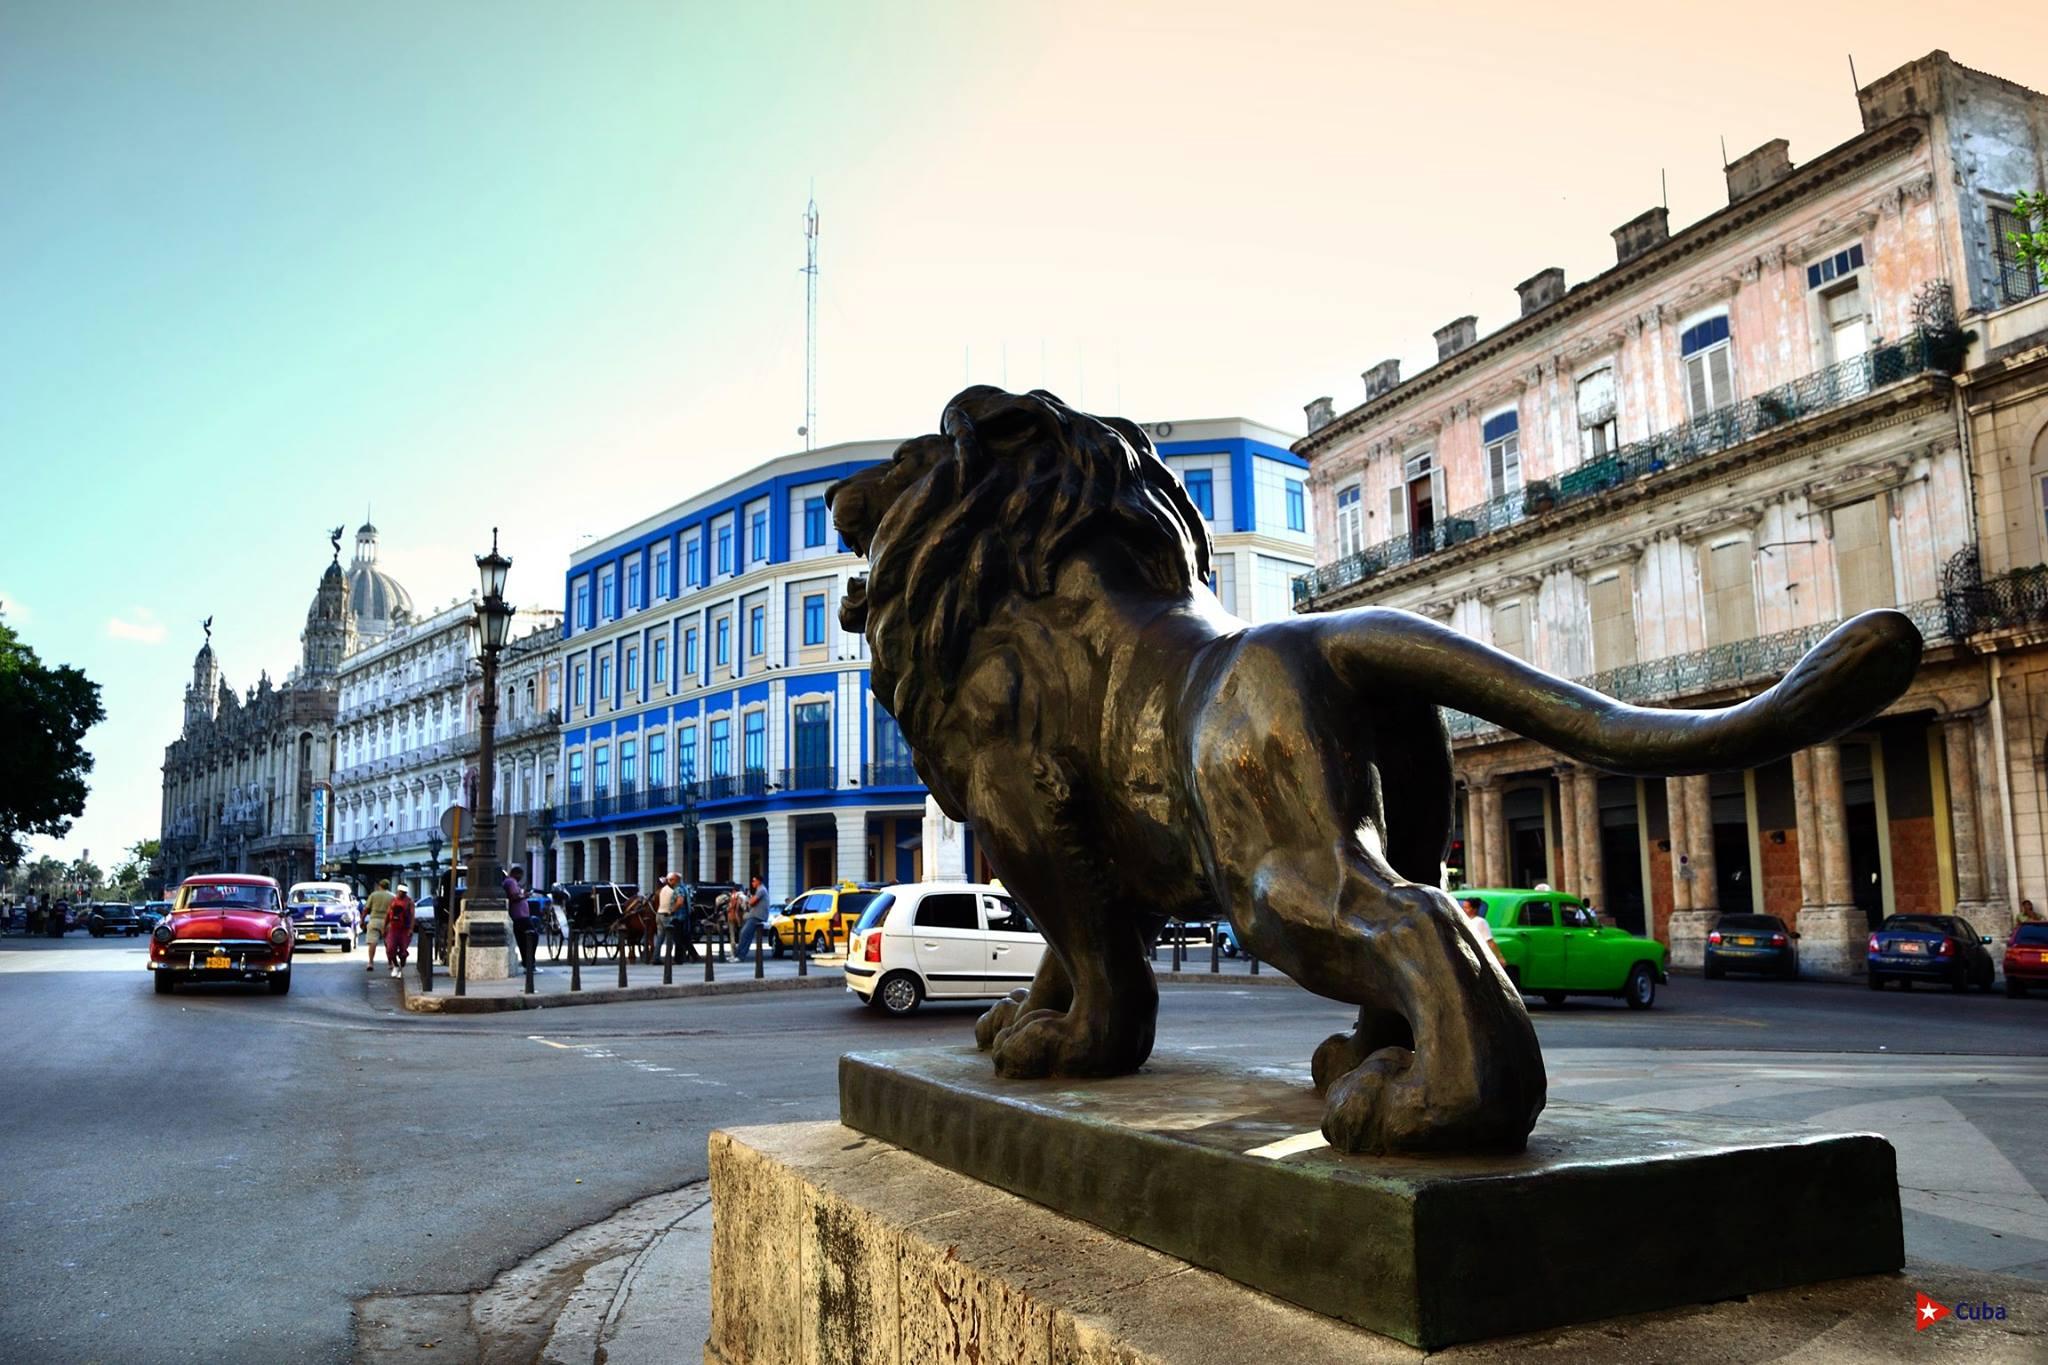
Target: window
x=693 y=563
x=2017 y=281
x=1731 y=601
x=1297 y=506
x=1843 y=318
x=757 y=631
x=725 y=549
x=1863 y=556
x=754 y=736
x=629 y=763
x=757 y=536
x=1502 y=437
x=1537 y=915
x=657 y=760
x=608 y=594
x=1597 y=414
x=811 y=742
x=892 y=750
x=1709 y=382
x=601 y=767
x=582 y=684
x=660 y=659
x=1509 y=632
x=721 y=747
x=584 y=620
x=633 y=672
x=814 y=522
x=1201 y=492
x=723 y=647
x=1579 y=917
x=949 y=910
x=1614 y=621
x=690 y=653
x=686 y=754
x=1350 y=521
x=1005 y=916
x=814 y=619
x=634 y=601
x=1835 y=266
x=1412 y=504
x=576 y=776
x=664 y=586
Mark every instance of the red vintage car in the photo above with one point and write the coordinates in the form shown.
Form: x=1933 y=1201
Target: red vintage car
x=224 y=926
x=2026 y=959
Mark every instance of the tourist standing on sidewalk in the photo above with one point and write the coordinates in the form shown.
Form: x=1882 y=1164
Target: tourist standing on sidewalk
x=665 y=908
x=757 y=915
x=522 y=917
x=379 y=914
x=398 y=923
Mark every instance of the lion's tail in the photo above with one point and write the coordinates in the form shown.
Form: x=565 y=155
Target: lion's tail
x=1860 y=668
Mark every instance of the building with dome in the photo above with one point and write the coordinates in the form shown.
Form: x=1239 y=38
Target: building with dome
x=246 y=783
x=379 y=601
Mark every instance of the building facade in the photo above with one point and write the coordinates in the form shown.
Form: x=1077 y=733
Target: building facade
x=1670 y=480
x=528 y=743
x=245 y=784
x=717 y=720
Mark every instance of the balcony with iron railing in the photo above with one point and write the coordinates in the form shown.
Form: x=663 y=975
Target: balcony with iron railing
x=809 y=777
x=1711 y=434
x=897 y=773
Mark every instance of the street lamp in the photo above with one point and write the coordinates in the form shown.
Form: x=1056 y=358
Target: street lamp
x=546 y=831
x=355 y=867
x=484 y=916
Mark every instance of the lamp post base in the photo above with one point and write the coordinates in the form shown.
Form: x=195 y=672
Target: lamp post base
x=489 y=943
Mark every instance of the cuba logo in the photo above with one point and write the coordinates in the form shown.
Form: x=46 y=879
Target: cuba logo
x=1927 y=1312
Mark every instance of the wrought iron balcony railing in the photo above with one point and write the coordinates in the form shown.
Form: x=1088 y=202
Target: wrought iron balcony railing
x=2018 y=598
x=1722 y=429
x=809 y=777
x=893 y=774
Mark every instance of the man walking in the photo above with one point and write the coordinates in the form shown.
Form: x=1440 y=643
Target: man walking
x=665 y=923
x=522 y=917
x=379 y=911
x=757 y=916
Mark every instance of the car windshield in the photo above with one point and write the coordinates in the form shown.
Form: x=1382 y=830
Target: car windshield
x=856 y=902
x=227 y=896
x=877 y=908
x=319 y=895
x=2031 y=933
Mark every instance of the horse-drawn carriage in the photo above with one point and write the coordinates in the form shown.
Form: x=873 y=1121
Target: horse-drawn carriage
x=602 y=920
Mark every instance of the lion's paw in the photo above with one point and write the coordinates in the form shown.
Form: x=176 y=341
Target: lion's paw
x=998 y=1017
x=1052 y=1043
x=1335 y=1055
x=1387 y=1105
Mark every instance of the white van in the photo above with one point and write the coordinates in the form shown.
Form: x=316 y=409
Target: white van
x=942 y=940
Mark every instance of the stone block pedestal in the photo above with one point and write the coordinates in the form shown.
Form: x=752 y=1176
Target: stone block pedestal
x=491 y=953
x=1834 y=942
x=1689 y=930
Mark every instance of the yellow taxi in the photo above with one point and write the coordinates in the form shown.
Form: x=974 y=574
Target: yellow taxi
x=824 y=917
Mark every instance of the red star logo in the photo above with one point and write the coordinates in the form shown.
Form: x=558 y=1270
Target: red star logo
x=1926 y=1312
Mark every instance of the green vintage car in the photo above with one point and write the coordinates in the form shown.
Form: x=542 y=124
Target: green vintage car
x=1554 y=946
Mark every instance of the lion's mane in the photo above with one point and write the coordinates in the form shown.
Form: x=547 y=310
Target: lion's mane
x=1018 y=484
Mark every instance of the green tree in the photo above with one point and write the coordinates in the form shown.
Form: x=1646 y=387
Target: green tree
x=2031 y=242
x=84 y=880
x=45 y=877
x=132 y=871
x=44 y=714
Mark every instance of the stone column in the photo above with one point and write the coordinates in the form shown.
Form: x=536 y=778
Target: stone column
x=1693 y=911
x=1475 y=834
x=1964 y=825
x=622 y=865
x=1991 y=821
x=853 y=844
x=945 y=850
x=1565 y=876
x=644 y=870
x=1832 y=934
x=1674 y=821
x=1497 y=848
x=1592 y=868
x=782 y=868
x=1807 y=820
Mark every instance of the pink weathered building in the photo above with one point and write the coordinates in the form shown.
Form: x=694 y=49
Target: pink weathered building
x=1670 y=479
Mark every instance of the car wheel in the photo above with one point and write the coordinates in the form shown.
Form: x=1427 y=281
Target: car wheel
x=164 y=982
x=1960 y=982
x=2014 y=989
x=775 y=948
x=1640 y=990
x=94 y=932
x=898 y=993
x=1713 y=972
x=348 y=946
x=1876 y=982
x=821 y=942
x=1553 y=998
x=281 y=983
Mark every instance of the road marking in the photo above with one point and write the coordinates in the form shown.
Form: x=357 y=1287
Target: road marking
x=1294 y=1146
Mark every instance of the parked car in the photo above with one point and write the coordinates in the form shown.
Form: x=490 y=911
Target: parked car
x=1909 y=948
x=152 y=913
x=107 y=917
x=1554 y=946
x=1752 y=943
x=824 y=917
x=224 y=926
x=323 y=913
x=2026 y=958
x=942 y=941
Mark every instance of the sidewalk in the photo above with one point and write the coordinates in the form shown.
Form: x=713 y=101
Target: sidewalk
x=601 y=982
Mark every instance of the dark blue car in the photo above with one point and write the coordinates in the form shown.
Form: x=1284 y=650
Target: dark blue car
x=1935 y=948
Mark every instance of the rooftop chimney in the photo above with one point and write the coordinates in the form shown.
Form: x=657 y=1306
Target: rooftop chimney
x=1321 y=412
x=1641 y=233
x=1381 y=377
x=1541 y=289
x=1758 y=170
x=1455 y=336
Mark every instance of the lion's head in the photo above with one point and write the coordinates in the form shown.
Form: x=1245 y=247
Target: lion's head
x=958 y=523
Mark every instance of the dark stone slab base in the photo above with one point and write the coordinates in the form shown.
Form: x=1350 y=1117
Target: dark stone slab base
x=1608 y=1212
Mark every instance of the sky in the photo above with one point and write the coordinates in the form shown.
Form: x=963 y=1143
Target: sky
x=268 y=268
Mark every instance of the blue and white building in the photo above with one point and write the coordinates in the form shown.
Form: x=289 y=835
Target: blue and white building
x=718 y=722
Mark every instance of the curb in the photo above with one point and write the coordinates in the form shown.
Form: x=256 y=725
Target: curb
x=447 y=1002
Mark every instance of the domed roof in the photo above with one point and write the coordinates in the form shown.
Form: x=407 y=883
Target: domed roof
x=378 y=600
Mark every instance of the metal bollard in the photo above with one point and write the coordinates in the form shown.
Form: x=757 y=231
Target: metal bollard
x=427 y=961
x=575 y=963
x=803 y=954
x=529 y=967
x=668 y=957
x=462 y=965
x=625 y=951
x=759 y=965
x=1255 y=964
x=1174 y=929
x=709 y=971
x=1215 y=950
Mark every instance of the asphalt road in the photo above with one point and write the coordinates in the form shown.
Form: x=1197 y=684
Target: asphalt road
x=216 y=1175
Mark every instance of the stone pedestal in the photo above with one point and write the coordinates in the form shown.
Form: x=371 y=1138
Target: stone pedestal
x=1689 y=930
x=491 y=951
x=1226 y=1168
x=1834 y=942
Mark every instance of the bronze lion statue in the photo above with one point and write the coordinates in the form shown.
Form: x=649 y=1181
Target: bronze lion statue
x=1128 y=751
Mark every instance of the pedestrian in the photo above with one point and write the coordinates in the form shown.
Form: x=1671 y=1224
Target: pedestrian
x=59 y=918
x=379 y=913
x=1475 y=919
x=665 y=922
x=398 y=925
x=757 y=915
x=2028 y=912
x=522 y=916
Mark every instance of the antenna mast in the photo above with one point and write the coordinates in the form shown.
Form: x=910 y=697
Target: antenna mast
x=810 y=427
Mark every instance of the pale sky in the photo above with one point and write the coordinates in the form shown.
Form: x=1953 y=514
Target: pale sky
x=537 y=264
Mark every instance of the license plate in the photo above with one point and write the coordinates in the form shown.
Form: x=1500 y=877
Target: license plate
x=1747 y=942
x=218 y=960
x=1914 y=948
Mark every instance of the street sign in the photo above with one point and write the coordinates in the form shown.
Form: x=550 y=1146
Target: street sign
x=451 y=823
